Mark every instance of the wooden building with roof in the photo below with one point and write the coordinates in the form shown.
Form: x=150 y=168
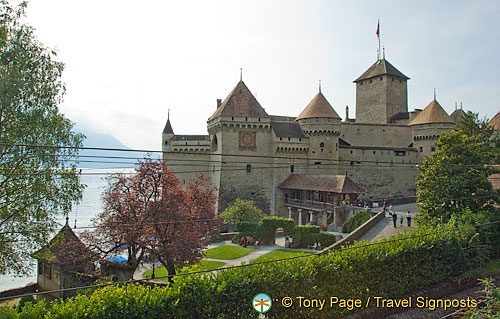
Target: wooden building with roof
x=56 y=273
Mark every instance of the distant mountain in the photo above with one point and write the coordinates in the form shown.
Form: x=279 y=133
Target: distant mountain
x=105 y=157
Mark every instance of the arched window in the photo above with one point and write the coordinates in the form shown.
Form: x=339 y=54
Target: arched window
x=214 y=143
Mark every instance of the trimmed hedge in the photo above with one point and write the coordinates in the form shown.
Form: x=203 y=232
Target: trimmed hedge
x=249 y=229
x=355 y=221
x=305 y=236
x=265 y=230
x=387 y=270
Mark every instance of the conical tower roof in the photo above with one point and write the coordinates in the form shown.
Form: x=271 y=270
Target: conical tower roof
x=381 y=67
x=433 y=113
x=318 y=107
x=495 y=122
x=240 y=102
x=457 y=115
x=168 y=128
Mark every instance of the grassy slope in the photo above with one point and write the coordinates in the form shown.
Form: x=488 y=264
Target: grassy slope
x=227 y=252
x=202 y=265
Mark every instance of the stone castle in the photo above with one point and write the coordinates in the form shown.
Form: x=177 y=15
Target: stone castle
x=307 y=164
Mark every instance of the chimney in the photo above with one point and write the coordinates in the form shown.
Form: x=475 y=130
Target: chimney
x=219 y=102
x=347 y=113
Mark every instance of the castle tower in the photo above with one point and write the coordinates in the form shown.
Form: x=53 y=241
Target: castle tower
x=167 y=135
x=321 y=124
x=241 y=137
x=427 y=126
x=381 y=93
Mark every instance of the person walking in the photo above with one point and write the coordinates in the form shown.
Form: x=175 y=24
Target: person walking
x=395 y=219
x=290 y=242
x=391 y=211
x=408 y=218
x=401 y=219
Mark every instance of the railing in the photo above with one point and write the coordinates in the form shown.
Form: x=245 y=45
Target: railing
x=309 y=203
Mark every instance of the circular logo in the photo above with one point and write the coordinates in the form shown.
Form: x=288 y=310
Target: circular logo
x=262 y=303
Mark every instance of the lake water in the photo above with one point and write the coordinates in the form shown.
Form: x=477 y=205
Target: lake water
x=88 y=208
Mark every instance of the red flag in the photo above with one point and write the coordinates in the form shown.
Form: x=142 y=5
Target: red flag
x=378 y=30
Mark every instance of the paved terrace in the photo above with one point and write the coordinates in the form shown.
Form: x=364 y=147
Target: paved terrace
x=385 y=228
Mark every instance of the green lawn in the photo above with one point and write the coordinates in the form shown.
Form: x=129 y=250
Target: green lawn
x=202 y=265
x=279 y=254
x=227 y=252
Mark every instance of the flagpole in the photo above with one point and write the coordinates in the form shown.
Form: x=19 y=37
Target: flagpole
x=378 y=29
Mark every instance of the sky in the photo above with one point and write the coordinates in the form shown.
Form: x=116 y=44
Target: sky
x=129 y=62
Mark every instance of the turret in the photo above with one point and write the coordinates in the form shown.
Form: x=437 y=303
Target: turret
x=321 y=124
x=427 y=126
x=167 y=135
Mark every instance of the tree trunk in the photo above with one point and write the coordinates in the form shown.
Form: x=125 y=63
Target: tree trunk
x=170 y=267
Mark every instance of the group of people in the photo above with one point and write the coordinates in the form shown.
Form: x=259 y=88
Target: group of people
x=317 y=245
x=401 y=218
x=288 y=242
x=394 y=215
x=249 y=241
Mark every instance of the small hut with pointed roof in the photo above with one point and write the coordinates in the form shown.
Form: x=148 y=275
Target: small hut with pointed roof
x=55 y=274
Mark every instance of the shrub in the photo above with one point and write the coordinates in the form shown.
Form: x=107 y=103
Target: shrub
x=249 y=228
x=265 y=230
x=305 y=236
x=355 y=221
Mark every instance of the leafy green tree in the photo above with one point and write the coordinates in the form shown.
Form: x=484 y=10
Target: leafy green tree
x=455 y=178
x=36 y=183
x=241 y=210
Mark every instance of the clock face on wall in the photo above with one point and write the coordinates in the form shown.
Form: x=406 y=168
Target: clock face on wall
x=247 y=141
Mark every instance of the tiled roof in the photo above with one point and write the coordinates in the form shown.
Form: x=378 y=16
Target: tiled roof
x=457 y=115
x=168 y=128
x=381 y=67
x=240 y=102
x=326 y=183
x=318 y=107
x=191 y=138
x=433 y=113
x=287 y=129
x=495 y=121
x=48 y=253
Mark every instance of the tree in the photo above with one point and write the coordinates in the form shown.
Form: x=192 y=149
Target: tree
x=454 y=180
x=36 y=183
x=241 y=211
x=151 y=214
